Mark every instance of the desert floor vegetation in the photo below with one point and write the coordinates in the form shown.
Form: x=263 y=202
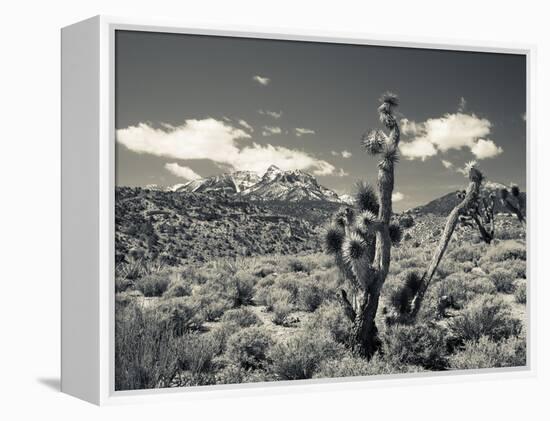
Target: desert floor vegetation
x=279 y=317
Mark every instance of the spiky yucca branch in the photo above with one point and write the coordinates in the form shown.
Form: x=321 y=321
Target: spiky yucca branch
x=361 y=239
x=514 y=202
x=468 y=201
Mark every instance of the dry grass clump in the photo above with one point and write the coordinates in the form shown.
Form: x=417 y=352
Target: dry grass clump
x=486 y=353
x=486 y=315
x=301 y=355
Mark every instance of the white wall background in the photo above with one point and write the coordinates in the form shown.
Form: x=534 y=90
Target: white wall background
x=29 y=238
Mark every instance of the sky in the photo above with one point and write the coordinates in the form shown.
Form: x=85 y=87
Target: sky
x=192 y=106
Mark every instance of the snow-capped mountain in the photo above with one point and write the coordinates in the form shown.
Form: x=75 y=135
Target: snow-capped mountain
x=275 y=184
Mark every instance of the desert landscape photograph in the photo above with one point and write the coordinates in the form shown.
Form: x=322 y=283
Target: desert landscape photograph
x=289 y=210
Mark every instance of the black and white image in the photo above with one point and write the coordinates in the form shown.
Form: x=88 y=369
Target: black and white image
x=289 y=210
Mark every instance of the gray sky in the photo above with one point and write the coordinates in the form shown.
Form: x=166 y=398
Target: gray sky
x=189 y=106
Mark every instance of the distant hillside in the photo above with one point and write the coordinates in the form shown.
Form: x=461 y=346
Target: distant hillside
x=444 y=205
x=183 y=226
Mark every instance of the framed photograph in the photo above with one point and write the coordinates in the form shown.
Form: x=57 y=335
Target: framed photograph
x=249 y=210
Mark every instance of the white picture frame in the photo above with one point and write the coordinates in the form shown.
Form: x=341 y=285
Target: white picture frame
x=88 y=170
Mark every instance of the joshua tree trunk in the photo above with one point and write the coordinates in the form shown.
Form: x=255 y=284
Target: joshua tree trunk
x=462 y=208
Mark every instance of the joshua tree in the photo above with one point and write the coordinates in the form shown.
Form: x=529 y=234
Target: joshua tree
x=514 y=202
x=480 y=216
x=361 y=238
x=469 y=201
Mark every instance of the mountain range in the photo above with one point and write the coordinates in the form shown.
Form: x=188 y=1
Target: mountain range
x=274 y=185
x=298 y=186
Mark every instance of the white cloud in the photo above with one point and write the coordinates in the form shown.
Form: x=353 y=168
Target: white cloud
x=486 y=148
x=271 y=130
x=462 y=103
x=245 y=124
x=447 y=164
x=262 y=80
x=419 y=148
x=452 y=131
x=397 y=196
x=300 y=131
x=342 y=173
x=343 y=154
x=408 y=127
x=219 y=142
x=180 y=171
x=274 y=114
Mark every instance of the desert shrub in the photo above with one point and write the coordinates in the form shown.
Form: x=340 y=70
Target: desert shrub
x=221 y=333
x=311 y=295
x=348 y=366
x=466 y=253
x=330 y=318
x=291 y=283
x=265 y=270
x=411 y=263
x=485 y=353
x=520 y=293
x=447 y=267
x=485 y=315
x=459 y=288
x=506 y=250
x=297 y=265
x=122 y=283
x=182 y=314
x=196 y=358
x=240 y=288
x=281 y=311
x=423 y=344
x=242 y=317
x=145 y=352
x=406 y=221
x=123 y=299
x=277 y=296
x=248 y=347
x=518 y=268
x=301 y=355
x=178 y=288
x=351 y=365
x=153 y=284
x=503 y=280
x=233 y=373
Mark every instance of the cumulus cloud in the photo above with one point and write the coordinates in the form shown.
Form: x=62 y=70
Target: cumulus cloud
x=245 y=124
x=183 y=172
x=486 y=148
x=262 y=80
x=219 y=142
x=300 y=131
x=419 y=148
x=274 y=114
x=343 y=154
x=447 y=164
x=451 y=131
x=271 y=130
x=397 y=196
